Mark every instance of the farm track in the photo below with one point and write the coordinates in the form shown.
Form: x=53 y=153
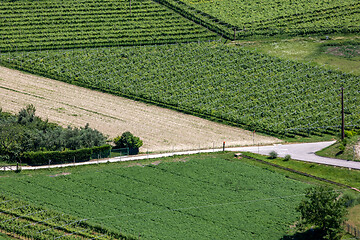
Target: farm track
x=160 y=129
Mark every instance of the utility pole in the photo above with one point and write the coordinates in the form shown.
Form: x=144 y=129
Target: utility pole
x=342 y=115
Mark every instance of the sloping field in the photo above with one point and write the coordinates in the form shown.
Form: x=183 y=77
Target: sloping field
x=161 y=129
x=54 y=24
x=197 y=197
x=212 y=80
x=268 y=17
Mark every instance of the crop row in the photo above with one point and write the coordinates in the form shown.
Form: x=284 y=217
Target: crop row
x=37 y=26
x=200 y=199
x=212 y=80
x=26 y=220
x=234 y=19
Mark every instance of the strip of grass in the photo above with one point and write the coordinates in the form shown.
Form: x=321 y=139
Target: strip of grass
x=5 y=237
x=336 y=174
x=333 y=151
x=314 y=49
x=354 y=216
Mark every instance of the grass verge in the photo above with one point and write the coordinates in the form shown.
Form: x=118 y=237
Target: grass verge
x=5 y=237
x=336 y=174
x=354 y=216
x=334 y=52
x=349 y=153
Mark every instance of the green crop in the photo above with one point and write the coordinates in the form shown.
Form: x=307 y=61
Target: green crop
x=207 y=197
x=268 y=17
x=58 y=24
x=213 y=80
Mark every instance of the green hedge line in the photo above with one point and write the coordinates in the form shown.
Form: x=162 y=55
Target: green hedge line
x=68 y=156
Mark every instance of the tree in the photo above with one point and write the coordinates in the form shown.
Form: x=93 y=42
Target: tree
x=324 y=208
x=127 y=140
x=27 y=115
x=10 y=142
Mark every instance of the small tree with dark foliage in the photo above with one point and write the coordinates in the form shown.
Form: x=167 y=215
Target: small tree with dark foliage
x=325 y=209
x=128 y=140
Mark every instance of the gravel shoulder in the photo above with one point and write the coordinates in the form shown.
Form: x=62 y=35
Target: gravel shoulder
x=160 y=129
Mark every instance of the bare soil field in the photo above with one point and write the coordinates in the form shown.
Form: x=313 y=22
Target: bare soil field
x=160 y=129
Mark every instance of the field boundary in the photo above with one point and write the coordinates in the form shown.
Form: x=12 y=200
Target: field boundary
x=299 y=172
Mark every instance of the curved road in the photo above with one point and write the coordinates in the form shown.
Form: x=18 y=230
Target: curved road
x=300 y=151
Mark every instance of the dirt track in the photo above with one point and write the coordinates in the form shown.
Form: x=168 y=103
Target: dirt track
x=161 y=129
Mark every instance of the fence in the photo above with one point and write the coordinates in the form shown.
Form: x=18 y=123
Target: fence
x=118 y=152
x=355 y=231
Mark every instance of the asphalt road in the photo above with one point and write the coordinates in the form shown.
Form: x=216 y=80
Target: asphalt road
x=301 y=151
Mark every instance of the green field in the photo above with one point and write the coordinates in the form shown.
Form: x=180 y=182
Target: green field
x=54 y=24
x=267 y=17
x=195 y=197
x=337 y=53
x=349 y=177
x=24 y=220
x=213 y=80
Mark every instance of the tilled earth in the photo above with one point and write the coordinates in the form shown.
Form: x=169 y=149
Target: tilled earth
x=160 y=129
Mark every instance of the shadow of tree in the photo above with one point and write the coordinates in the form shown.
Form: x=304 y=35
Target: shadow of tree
x=310 y=234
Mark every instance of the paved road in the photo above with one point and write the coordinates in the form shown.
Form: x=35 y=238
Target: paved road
x=301 y=151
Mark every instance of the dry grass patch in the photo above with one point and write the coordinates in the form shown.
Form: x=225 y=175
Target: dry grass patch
x=160 y=129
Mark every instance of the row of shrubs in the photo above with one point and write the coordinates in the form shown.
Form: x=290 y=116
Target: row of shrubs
x=126 y=141
x=68 y=156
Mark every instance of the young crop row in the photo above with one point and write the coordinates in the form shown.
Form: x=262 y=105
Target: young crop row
x=57 y=24
x=345 y=19
x=22 y=219
x=198 y=199
x=235 y=20
x=212 y=80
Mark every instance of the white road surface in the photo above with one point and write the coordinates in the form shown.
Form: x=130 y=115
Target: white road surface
x=301 y=151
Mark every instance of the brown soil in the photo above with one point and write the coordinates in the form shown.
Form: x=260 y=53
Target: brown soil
x=160 y=129
x=60 y=174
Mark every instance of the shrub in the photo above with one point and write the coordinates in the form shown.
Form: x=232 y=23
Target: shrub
x=273 y=155
x=68 y=156
x=342 y=147
x=324 y=208
x=128 y=140
x=350 y=133
x=351 y=199
x=287 y=157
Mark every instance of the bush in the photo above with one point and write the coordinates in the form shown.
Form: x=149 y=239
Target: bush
x=68 y=156
x=350 y=133
x=273 y=155
x=341 y=147
x=287 y=157
x=128 y=140
x=351 y=199
x=324 y=208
